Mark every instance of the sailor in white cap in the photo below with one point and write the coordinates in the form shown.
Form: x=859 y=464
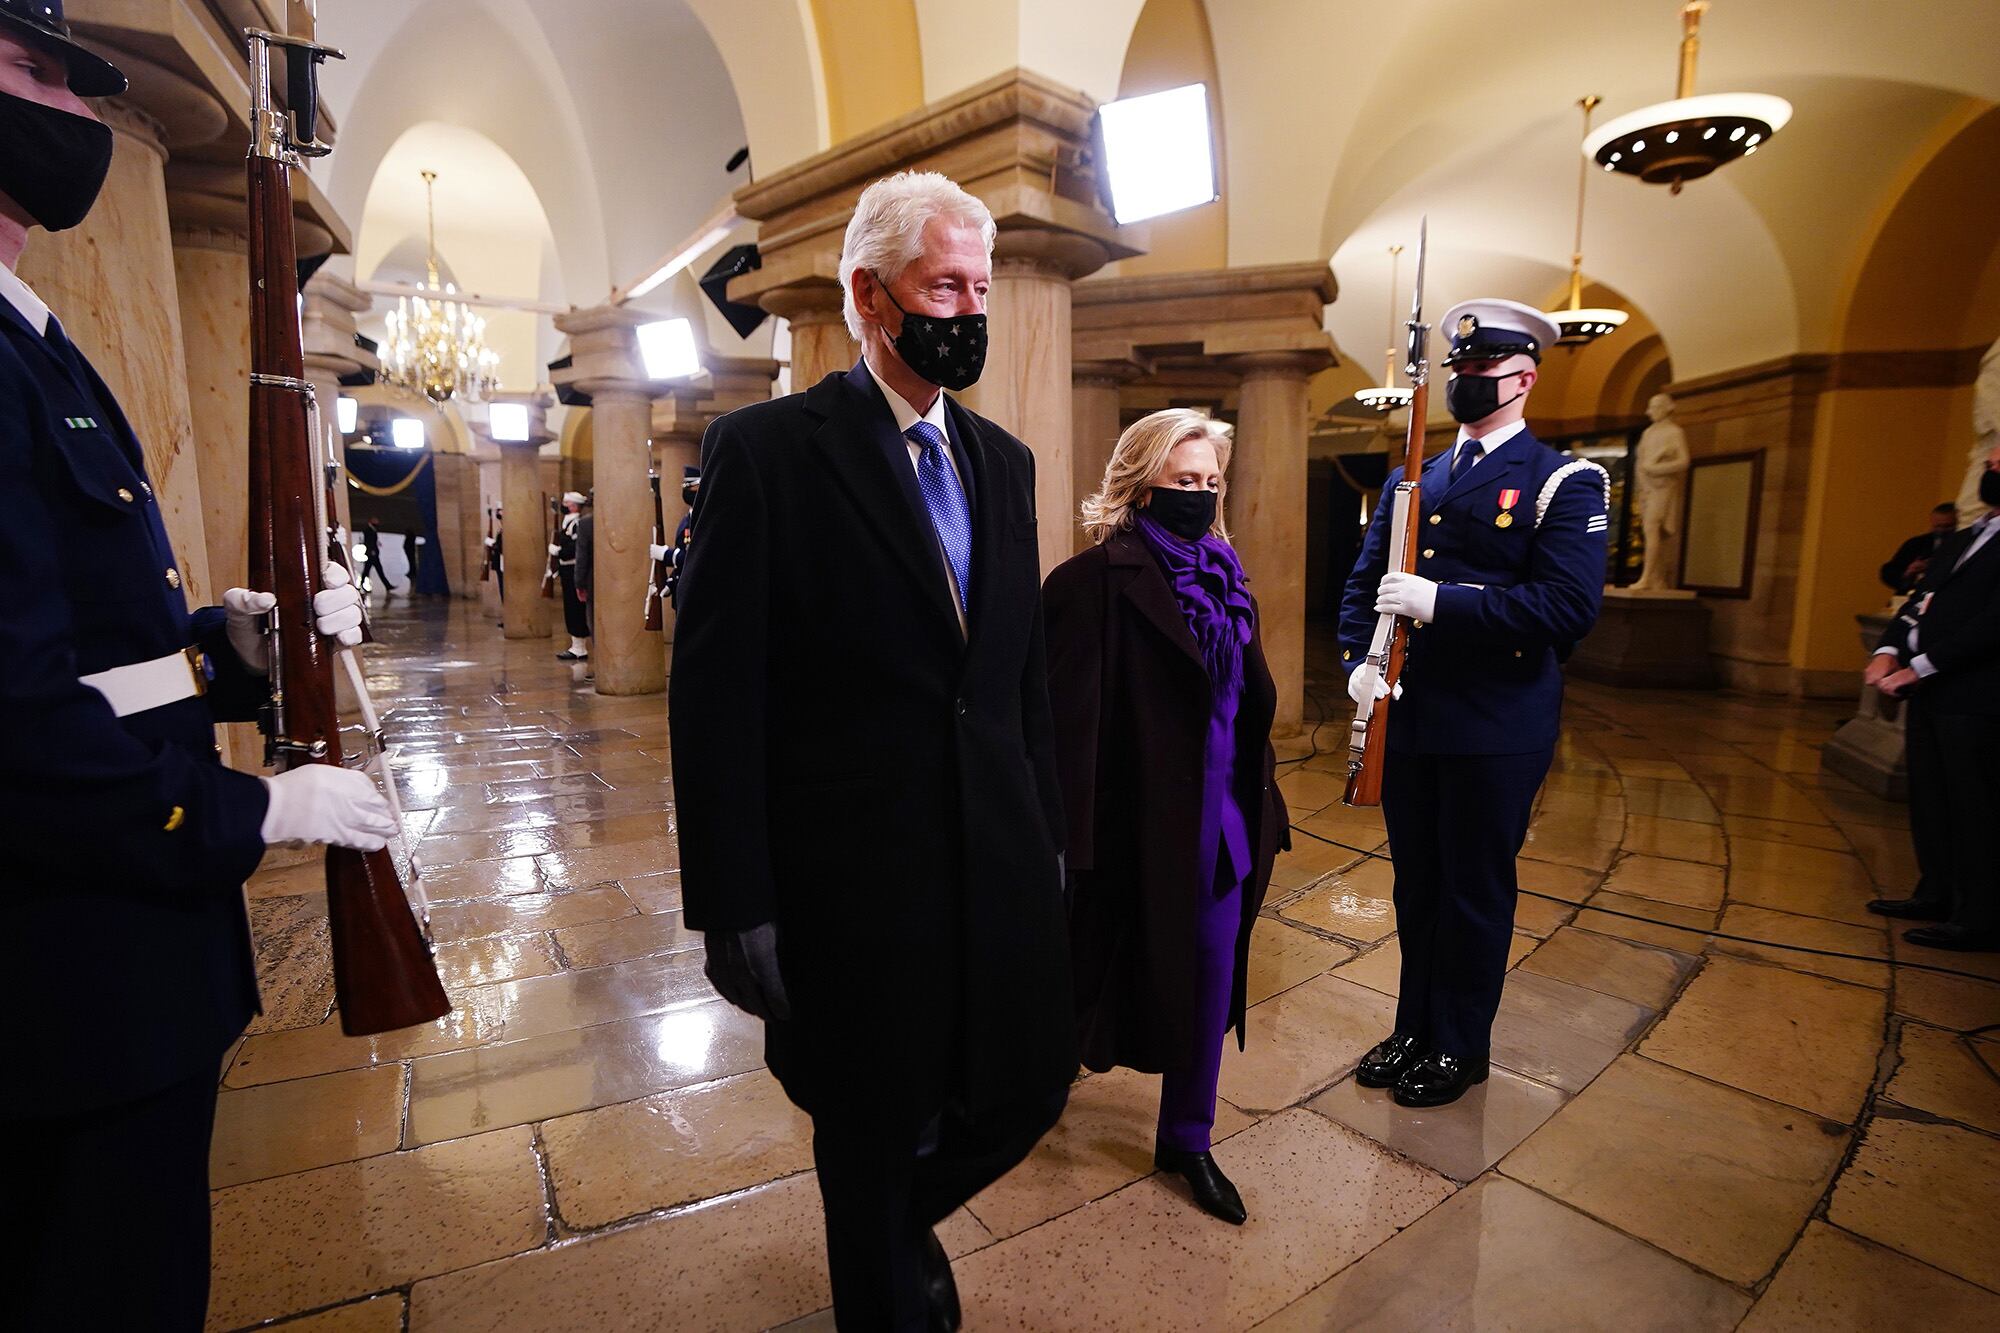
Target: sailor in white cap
x=576 y=616
x=1509 y=577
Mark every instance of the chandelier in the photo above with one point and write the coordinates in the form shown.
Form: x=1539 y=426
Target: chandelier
x=437 y=346
x=1671 y=143
x=1388 y=396
x=1581 y=324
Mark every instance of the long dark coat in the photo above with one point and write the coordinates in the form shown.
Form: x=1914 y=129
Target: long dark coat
x=1132 y=701
x=850 y=766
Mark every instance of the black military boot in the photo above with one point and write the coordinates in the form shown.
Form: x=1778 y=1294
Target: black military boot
x=1383 y=1065
x=939 y=1287
x=1438 y=1079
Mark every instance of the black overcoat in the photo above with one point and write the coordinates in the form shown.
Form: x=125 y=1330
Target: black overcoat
x=850 y=766
x=1132 y=701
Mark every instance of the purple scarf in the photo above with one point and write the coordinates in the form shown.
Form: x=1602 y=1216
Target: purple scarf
x=1208 y=582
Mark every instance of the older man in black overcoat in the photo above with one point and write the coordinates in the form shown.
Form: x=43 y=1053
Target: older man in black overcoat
x=868 y=814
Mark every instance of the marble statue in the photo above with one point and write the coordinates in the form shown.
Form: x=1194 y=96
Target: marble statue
x=1657 y=471
x=1985 y=433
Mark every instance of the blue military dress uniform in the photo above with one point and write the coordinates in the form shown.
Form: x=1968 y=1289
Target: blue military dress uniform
x=1517 y=545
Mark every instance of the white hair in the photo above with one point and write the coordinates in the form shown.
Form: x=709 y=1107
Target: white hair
x=886 y=234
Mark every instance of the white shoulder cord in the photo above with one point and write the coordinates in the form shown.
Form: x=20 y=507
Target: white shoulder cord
x=1561 y=474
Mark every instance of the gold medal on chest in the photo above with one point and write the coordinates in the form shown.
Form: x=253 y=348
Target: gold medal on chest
x=1504 y=521
x=1508 y=499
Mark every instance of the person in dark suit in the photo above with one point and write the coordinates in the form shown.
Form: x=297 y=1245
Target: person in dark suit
x=1510 y=577
x=122 y=827
x=1163 y=706
x=1943 y=652
x=371 y=549
x=867 y=806
x=1903 y=571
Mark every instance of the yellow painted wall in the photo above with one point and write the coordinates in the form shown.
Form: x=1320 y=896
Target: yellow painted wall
x=1171 y=48
x=872 y=60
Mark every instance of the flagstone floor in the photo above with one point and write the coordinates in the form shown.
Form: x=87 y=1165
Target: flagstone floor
x=1688 y=1128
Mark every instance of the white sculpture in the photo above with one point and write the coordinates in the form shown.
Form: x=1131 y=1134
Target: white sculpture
x=1985 y=434
x=1661 y=462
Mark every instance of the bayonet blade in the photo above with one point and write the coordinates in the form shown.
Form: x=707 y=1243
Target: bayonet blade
x=1418 y=365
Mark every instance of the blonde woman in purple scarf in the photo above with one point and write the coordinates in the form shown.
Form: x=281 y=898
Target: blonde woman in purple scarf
x=1163 y=708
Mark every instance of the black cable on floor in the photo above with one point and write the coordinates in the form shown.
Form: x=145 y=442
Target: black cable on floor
x=1691 y=930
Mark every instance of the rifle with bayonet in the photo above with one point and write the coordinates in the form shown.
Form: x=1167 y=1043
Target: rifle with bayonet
x=384 y=974
x=486 y=566
x=656 y=590
x=1368 y=738
x=551 y=575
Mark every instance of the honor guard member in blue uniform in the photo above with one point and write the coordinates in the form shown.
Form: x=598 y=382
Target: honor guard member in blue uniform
x=127 y=841
x=1510 y=574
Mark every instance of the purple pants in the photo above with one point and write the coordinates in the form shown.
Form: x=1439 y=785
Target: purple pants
x=1187 y=1092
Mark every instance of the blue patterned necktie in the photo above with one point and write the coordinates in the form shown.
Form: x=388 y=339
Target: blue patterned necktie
x=944 y=497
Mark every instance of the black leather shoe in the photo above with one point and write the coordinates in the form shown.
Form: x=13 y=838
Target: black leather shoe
x=1911 y=909
x=1213 y=1193
x=1951 y=935
x=1382 y=1066
x=939 y=1287
x=1437 y=1080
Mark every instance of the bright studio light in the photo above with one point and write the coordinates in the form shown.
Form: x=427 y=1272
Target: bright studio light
x=1157 y=153
x=667 y=348
x=407 y=432
x=507 y=421
x=347 y=412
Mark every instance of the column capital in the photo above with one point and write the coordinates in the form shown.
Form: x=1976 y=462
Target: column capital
x=537 y=401
x=1299 y=365
x=1044 y=252
x=604 y=353
x=1109 y=373
x=328 y=323
x=1017 y=141
x=1194 y=320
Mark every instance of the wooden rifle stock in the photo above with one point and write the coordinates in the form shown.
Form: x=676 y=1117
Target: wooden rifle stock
x=384 y=975
x=656 y=591
x=1368 y=741
x=551 y=577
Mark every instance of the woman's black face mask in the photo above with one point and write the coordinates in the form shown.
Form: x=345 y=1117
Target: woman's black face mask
x=1187 y=514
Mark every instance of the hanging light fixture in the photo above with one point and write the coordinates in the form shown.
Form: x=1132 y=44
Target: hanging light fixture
x=437 y=346
x=1388 y=396
x=1671 y=143
x=1581 y=324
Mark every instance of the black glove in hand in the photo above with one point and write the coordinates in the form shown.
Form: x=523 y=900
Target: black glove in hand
x=743 y=968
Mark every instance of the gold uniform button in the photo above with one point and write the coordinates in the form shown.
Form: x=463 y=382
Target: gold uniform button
x=1429 y=554
x=1347 y=656
x=1517 y=652
x=173 y=577
x=125 y=495
x=1437 y=518
x=176 y=819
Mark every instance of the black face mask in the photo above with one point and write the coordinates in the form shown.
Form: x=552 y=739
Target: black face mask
x=1472 y=398
x=1187 y=514
x=947 y=351
x=52 y=163
x=687 y=496
x=1989 y=488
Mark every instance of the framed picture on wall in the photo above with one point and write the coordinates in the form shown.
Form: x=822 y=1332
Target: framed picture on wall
x=1719 y=524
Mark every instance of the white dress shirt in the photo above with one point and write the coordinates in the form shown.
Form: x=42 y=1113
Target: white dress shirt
x=906 y=417
x=1486 y=443
x=22 y=297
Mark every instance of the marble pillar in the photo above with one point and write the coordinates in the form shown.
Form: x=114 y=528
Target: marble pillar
x=212 y=276
x=820 y=344
x=1267 y=512
x=625 y=657
x=111 y=282
x=332 y=308
x=1026 y=386
x=528 y=614
x=1094 y=431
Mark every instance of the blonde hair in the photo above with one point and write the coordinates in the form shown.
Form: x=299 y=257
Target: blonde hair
x=1138 y=458
x=886 y=233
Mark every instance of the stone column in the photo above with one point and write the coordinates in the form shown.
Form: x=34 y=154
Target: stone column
x=1094 y=430
x=111 y=283
x=525 y=534
x=820 y=345
x=626 y=658
x=1026 y=387
x=1267 y=512
x=332 y=307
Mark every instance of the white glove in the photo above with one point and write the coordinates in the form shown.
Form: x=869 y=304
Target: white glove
x=337 y=607
x=246 y=626
x=1365 y=683
x=657 y=551
x=554 y=549
x=1409 y=595
x=322 y=803
x=336 y=613
x=489 y=541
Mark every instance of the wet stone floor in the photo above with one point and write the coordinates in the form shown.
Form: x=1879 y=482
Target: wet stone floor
x=1683 y=1130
